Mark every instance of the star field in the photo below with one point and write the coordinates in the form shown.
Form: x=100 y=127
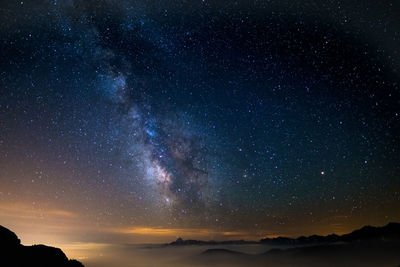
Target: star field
x=261 y=117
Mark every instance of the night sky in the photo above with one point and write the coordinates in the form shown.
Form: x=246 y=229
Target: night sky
x=141 y=121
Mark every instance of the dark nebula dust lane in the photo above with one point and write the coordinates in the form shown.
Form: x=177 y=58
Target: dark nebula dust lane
x=215 y=119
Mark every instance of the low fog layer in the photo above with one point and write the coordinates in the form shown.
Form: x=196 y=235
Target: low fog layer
x=355 y=254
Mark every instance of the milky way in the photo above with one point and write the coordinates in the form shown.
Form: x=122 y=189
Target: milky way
x=164 y=150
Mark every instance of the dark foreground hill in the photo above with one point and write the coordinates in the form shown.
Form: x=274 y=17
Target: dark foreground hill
x=13 y=254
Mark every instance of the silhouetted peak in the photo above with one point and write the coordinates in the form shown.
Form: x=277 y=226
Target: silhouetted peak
x=49 y=255
x=12 y=253
x=387 y=232
x=8 y=238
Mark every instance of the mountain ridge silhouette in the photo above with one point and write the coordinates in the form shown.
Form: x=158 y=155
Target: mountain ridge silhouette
x=14 y=254
x=387 y=232
x=366 y=247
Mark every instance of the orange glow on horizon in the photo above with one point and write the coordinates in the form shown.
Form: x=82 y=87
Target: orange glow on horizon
x=187 y=233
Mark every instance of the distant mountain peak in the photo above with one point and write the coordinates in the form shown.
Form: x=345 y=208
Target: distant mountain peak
x=391 y=231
